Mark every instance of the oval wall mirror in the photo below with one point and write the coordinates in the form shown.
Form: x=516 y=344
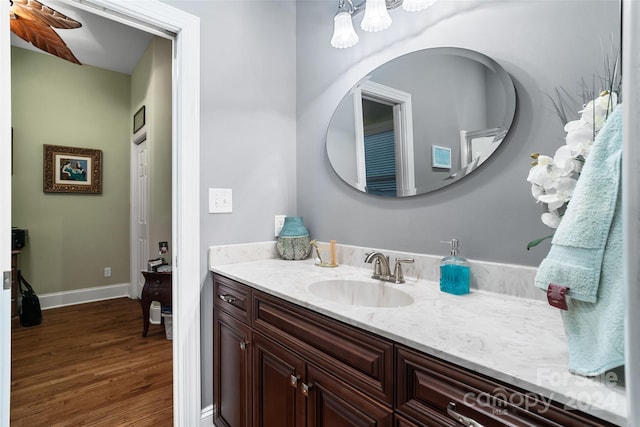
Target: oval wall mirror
x=421 y=121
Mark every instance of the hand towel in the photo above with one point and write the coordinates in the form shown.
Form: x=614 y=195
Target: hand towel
x=586 y=256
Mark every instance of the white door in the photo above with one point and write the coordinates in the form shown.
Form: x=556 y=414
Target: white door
x=140 y=203
x=5 y=213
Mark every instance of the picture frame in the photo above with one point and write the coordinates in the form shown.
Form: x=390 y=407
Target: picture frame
x=440 y=157
x=71 y=170
x=139 y=119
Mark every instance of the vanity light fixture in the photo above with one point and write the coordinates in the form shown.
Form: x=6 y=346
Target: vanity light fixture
x=376 y=17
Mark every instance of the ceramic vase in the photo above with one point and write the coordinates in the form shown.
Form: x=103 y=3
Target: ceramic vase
x=294 y=242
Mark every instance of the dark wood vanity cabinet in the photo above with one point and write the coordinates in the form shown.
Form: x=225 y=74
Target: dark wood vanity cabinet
x=430 y=392
x=232 y=356
x=304 y=370
x=277 y=364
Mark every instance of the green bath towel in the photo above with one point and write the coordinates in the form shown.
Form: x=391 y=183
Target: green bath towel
x=586 y=256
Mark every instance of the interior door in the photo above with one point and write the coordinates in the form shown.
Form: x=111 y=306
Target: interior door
x=5 y=213
x=141 y=200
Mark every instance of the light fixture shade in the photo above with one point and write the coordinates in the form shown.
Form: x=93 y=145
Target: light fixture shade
x=376 y=17
x=416 y=5
x=344 y=35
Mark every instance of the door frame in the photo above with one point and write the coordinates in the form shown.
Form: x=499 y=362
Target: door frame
x=5 y=214
x=184 y=29
x=631 y=201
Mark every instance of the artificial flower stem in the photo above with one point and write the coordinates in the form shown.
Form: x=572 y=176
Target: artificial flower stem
x=536 y=242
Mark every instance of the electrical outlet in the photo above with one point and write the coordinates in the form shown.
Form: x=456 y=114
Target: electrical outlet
x=107 y=272
x=220 y=200
x=279 y=222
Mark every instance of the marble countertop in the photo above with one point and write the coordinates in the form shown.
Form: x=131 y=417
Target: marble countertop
x=516 y=340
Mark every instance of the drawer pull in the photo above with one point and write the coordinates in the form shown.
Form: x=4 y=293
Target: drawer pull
x=243 y=345
x=294 y=380
x=465 y=421
x=306 y=388
x=227 y=298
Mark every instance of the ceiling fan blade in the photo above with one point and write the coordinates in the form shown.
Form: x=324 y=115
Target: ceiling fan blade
x=36 y=11
x=43 y=37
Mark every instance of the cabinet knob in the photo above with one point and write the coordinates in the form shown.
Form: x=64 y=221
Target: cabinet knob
x=465 y=421
x=226 y=298
x=293 y=380
x=306 y=388
x=243 y=345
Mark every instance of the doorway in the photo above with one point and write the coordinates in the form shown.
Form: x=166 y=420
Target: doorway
x=166 y=21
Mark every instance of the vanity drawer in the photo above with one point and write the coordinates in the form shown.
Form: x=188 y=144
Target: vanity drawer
x=232 y=297
x=358 y=358
x=426 y=387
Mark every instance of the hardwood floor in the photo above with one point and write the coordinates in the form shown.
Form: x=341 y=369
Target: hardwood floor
x=88 y=365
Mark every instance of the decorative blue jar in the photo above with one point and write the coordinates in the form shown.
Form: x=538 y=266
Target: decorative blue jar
x=294 y=242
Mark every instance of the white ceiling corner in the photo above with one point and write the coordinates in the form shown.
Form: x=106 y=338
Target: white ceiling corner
x=100 y=42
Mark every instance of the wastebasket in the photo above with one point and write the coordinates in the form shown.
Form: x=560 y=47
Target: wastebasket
x=168 y=322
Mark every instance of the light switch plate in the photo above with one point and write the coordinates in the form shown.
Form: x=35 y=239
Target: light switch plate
x=220 y=200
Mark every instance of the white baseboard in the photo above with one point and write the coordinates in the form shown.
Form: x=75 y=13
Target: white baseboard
x=206 y=417
x=81 y=296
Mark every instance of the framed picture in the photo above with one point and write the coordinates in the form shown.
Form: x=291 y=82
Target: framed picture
x=138 y=120
x=440 y=157
x=72 y=170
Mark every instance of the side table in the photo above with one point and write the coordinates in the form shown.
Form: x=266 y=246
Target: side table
x=157 y=287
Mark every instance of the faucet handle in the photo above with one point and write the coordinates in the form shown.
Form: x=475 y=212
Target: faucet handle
x=397 y=271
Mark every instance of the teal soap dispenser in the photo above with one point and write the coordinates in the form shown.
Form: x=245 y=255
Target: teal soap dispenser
x=454 y=272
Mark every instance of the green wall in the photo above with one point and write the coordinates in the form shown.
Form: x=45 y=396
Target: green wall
x=151 y=87
x=72 y=237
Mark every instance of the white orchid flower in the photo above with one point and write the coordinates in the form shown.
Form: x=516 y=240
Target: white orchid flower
x=553 y=180
x=566 y=159
x=579 y=137
x=599 y=109
x=551 y=219
x=544 y=172
x=537 y=191
x=563 y=191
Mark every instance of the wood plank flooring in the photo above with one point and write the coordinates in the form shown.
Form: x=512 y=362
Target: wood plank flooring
x=88 y=365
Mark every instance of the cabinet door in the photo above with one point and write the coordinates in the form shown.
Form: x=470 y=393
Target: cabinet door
x=332 y=403
x=403 y=422
x=277 y=396
x=232 y=371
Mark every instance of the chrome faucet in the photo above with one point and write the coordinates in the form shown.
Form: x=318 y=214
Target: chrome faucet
x=381 y=269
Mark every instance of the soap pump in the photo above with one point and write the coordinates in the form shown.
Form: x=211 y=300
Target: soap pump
x=454 y=272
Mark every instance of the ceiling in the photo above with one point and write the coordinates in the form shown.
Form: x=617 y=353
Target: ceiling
x=99 y=42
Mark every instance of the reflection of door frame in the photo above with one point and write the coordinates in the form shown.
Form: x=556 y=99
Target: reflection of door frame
x=466 y=144
x=403 y=129
x=184 y=29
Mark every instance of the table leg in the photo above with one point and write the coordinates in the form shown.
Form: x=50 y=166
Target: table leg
x=146 y=304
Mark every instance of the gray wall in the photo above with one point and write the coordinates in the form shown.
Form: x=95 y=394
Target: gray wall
x=270 y=83
x=542 y=44
x=248 y=140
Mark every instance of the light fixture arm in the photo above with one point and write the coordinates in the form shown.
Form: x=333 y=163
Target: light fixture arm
x=354 y=9
x=376 y=18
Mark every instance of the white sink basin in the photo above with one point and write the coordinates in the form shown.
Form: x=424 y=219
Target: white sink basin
x=360 y=293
